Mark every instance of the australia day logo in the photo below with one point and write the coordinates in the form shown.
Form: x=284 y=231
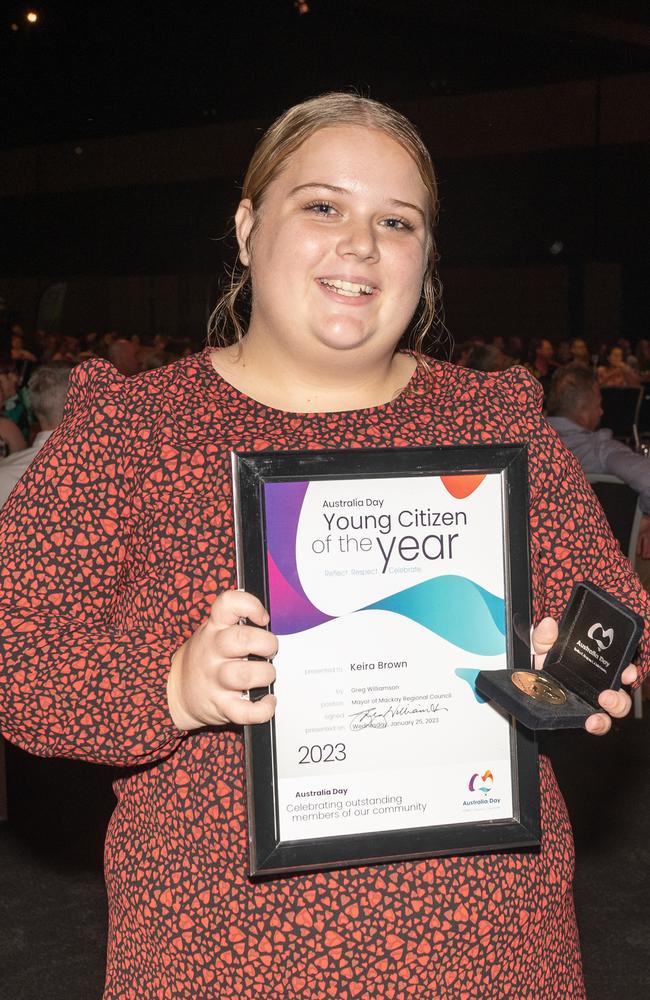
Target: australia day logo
x=603 y=637
x=481 y=782
x=480 y=786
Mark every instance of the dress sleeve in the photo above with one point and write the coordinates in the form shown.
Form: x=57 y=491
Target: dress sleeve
x=72 y=683
x=570 y=537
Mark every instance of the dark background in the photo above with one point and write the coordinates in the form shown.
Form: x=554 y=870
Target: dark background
x=94 y=69
x=126 y=130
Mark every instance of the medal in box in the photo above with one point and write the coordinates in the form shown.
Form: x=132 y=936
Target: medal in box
x=597 y=639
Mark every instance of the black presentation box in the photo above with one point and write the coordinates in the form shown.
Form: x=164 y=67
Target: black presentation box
x=598 y=637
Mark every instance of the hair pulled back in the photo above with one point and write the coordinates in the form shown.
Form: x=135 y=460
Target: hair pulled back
x=281 y=140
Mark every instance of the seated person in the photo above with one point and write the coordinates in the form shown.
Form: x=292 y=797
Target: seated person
x=579 y=351
x=540 y=361
x=574 y=411
x=487 y=358
x=12 y=438
x=616 y=372
x=47 y=387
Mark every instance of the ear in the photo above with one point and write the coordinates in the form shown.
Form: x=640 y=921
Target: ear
x=244 y=219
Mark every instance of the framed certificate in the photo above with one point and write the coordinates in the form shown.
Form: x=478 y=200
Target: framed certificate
x=392 y=577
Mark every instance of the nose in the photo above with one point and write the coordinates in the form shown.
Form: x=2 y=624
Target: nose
x=358 y=240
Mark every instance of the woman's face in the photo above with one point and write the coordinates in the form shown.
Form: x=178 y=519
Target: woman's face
x=615 y=357
x=339 y=252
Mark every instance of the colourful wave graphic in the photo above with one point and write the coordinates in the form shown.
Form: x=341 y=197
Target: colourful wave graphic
x=456 y=609
x=453 y=607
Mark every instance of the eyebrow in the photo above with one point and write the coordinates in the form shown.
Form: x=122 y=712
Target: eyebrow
x=408 y=204
x=340 y=190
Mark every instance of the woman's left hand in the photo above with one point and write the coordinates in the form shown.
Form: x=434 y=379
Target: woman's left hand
x=617 y=704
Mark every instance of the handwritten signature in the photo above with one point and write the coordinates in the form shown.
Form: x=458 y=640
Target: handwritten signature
x=372 y=718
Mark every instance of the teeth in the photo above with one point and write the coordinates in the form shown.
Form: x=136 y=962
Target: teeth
x=347 y=287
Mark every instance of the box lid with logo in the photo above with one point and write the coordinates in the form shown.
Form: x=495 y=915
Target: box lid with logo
x=597 y=639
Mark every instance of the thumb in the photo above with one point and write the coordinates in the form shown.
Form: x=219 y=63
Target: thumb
x=544 y=635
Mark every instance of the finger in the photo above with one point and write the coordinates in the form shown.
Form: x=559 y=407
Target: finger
x=598 y=724
x=232 y=605
x=617 y=703
x=248 y=713
x=239 y=641
x=242 y=675
x=544 y=635
x=630 y=674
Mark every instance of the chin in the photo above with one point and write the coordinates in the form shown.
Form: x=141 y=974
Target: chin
x=342 y=344
x=351 y=338
x=341 y=340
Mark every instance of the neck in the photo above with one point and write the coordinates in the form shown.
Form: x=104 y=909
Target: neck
x=575 y=418
x=325 y=384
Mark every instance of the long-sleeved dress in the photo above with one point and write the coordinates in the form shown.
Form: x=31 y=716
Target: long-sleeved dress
x=113 y=546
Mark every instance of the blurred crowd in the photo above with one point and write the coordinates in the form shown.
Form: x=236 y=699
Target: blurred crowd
x=23 y=356
x=615 y=363
x=130 y=355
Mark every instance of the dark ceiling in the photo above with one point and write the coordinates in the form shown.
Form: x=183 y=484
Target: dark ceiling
x=89 y=69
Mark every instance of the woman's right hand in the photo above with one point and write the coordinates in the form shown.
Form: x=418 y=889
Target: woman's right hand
x=210 y=673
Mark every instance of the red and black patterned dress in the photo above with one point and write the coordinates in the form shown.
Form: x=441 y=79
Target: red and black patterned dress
x=113 y=546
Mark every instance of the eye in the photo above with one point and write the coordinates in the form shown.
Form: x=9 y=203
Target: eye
x=395 y=222
x=324 y=208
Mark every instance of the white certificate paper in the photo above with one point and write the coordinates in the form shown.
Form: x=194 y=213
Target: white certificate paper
x=387 y=595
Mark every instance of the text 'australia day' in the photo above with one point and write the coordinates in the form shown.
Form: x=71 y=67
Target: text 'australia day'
x=381 y=533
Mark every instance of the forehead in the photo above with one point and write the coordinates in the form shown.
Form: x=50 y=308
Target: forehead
x=357 y=158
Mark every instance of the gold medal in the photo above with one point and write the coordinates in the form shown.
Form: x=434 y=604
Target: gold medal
x=539 y=688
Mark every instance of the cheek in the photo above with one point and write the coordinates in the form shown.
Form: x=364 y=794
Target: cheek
x=290 y=254
x=409 y=270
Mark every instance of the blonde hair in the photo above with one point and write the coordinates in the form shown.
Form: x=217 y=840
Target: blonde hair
x=277 y=145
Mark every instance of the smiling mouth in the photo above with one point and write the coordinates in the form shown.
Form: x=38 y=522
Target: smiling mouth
x=349 y=288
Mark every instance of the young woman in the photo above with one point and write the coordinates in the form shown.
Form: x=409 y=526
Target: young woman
x=120 y=629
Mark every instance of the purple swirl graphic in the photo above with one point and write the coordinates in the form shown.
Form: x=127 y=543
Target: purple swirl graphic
x=290 y=608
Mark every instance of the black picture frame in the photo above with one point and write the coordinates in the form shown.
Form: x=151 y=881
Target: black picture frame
x=269 y=854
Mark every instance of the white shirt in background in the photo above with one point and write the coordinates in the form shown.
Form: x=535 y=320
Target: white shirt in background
x=13 y=466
